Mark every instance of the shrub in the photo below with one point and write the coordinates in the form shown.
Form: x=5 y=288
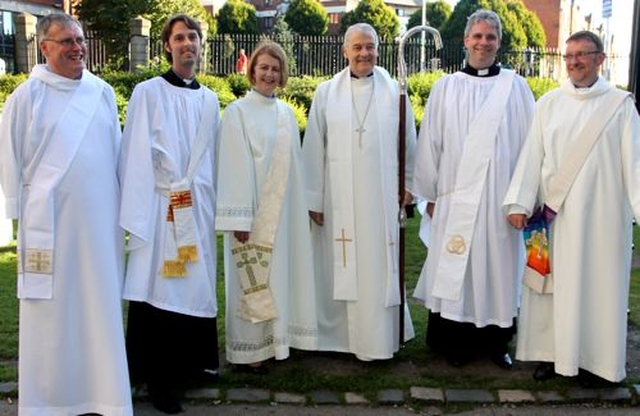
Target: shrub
x=420 y=84
x=540 y=86
x=239 y=84
x=8 y=83
x=220 y=86
x=301 y=89
x=299 y=111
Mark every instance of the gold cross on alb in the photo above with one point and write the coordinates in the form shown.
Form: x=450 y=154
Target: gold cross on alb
x=344 y=240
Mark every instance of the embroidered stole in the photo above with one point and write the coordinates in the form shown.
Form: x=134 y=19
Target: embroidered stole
x=479 y=145
x=180 y=245
x=37 y=222
x=253 y=258
x=340 y=159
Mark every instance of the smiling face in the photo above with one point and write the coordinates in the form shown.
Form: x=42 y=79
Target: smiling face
x=583 y=60
x=185 y=47
x=482 y=43
x=361 y=52
x=267 y=74
x=60 y=47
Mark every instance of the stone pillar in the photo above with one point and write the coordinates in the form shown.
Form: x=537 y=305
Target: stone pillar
x=204 y=62
x=26 y=42
x=139 y=30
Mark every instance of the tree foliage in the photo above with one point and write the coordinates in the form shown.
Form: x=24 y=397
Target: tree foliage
x=307 y=17
x=377 y=14
x=283 y=35
x=518 y=23
x=438 y=13
x=236 y=16
x=110 y=19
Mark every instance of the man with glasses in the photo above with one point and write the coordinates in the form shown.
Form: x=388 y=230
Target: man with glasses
x=577 y=325
x=59 y=150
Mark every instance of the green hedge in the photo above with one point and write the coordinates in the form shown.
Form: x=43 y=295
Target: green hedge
x=298 y=92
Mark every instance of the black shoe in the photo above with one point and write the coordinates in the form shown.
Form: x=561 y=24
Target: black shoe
x=167 y=405
x=544 y=371
x=502 y=360
x=589 y=380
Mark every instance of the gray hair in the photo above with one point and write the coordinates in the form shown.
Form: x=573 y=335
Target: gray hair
x=360 y=27
x=59 y=19
x=483 y=15
x=589 y=37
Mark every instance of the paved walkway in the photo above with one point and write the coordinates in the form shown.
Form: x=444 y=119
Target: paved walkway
x=421 y=400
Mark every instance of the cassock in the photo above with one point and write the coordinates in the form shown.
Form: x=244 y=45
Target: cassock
x=583 y=323
x=168 y=151
x=470 y=280
x=71 y=340
x=252 y=128
x=350 y=153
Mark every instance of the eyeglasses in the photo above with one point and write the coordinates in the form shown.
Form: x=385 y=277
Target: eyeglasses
x=579 y=55
x=69 y=42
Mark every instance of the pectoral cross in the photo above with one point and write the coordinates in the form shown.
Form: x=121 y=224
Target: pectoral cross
x=360 y=130
x=344 y=240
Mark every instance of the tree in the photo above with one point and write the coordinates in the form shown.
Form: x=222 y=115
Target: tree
x=307 y=17
x=438 y=13
x=283 y=35
x=533 y=30
x=377 y=14
x=513 y=35
x=236 y=16
x=110 y=19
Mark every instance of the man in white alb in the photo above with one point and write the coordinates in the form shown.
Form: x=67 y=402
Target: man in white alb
x=578 y=324
x=59 y=150
x=473 y=128
x=168 y=207
x=350 y=150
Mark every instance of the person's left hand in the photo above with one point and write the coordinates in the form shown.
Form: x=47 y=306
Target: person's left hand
x=241 y=236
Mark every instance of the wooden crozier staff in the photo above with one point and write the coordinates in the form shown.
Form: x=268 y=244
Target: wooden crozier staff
x=402 y=213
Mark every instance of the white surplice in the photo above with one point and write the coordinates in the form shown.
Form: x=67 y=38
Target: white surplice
x=491 y=281
x=72 y=353
x=352 y=179
x=247 y=140
x=583 y=324
x=156 y=155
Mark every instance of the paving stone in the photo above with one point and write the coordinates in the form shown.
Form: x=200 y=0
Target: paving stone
x=582 y=394
x=325 y=397
x=426 y=394
x=515 y=396
x=391 y=397
x=636 y=394
x=290 y=398
x=247 y=395
x=355 y=398
x=615 y=395
x=8 y=387
x=468 y=395
x=213 y=394
x=550 y=396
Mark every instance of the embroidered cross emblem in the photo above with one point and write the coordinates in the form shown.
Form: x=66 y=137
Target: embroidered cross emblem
x=344 y=240
x=38 y=261
x=247 y=262
x=181 y=199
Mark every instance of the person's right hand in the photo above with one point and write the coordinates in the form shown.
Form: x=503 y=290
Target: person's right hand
x=317 y=217
x=242 y=236
x=430 y=207
x=517 y=221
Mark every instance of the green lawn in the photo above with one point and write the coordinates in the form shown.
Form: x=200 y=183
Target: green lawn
x=305 y=371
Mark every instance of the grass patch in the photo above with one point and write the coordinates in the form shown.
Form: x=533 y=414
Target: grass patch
x=304 y=372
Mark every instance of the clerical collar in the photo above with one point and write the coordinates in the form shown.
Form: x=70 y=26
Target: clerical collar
x=492 y=71
x=173 y=79
x=587 y=87
x=357 y=77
